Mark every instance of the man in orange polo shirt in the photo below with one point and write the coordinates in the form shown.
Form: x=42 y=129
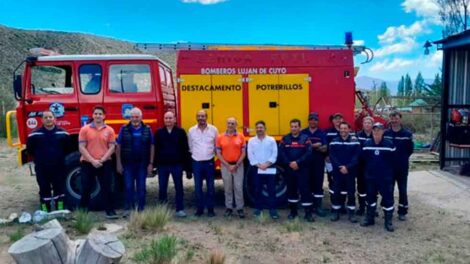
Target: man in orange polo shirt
x=97 y=144
x=231 y=152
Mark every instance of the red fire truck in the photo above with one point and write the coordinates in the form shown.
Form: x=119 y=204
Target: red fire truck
x=251 y=83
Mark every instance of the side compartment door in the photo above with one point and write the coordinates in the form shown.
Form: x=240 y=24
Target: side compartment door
x=293 y=100
x=227 y=100
x=194 y=95
x=52 y=86
x=263 y=97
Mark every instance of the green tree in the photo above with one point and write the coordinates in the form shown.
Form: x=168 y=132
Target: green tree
x=383 y=90
x=419 y=85
x=434 y=89
x=401 y=87
x=408 y=85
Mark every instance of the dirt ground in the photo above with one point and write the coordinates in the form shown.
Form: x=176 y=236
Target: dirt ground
x=437 y=229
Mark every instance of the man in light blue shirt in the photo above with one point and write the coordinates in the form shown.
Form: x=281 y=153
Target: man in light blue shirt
x=262 y=154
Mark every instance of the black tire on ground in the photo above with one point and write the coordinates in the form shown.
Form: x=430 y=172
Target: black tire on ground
x=281 y=188
x=73 y=186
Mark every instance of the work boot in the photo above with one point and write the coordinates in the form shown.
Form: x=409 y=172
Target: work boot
x=334 y=215
x=402 y=217
x=308 y=214
x=388 y=221
x=293 y=211
x=318 y=208
x=369 y=219
x=362 y=206
x=352 y=216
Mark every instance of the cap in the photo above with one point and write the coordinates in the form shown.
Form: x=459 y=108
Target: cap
x=378 y=125
x=313 y=115
x=335 y=115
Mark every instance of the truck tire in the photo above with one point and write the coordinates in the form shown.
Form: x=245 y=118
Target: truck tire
x=73 y=186
x=281 y=188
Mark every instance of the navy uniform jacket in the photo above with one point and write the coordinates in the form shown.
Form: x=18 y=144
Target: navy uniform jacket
x=403 y=141
x=344 y=153
x=298 y=149
x=316 y=137
x=363 y=137
x=330 y=134
x=378 y=159
x=48 y=147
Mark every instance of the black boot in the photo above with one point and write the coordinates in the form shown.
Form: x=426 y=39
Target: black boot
x=352 y=216
x=369 y=219
x=308 y=214
x=293 y=211
x=334 y=215
x=388 y=221
x=362 y=206
x=318 y=210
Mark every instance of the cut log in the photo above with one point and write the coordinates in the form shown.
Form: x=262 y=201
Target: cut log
x=100 y=248
x=46 y=246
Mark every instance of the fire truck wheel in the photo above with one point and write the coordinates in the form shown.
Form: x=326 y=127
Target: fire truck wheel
x=281 y=188
x=74 y=187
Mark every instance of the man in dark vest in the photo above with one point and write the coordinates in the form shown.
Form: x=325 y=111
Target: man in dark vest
x=134 y=158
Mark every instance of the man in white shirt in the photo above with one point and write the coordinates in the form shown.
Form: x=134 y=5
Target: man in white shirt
x=202 y=138
x=262 y=154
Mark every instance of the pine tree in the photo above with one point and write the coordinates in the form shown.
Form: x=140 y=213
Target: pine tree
x=408 y=85
x=401 y=87
x=435 y=89
x=419 y=85
x=383 y=91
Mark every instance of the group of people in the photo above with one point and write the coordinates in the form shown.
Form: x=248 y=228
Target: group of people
x=369 y=161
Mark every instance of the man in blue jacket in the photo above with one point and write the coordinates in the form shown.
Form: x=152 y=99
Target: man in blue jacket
x=317 y=162
x=48 y=147
x=403 y=141
x=294 y=155
x=344 y=154
x=363 y=136
x=378 y=155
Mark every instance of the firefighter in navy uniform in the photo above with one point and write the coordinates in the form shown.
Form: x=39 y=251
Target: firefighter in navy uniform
x=378 y=154
x=48 y=147
x=344 y=154
x=294 y=155
x=317 y=162
x=363 y=136
x=403 y=141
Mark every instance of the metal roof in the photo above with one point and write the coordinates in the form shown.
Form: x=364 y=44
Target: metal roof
x=454 y=41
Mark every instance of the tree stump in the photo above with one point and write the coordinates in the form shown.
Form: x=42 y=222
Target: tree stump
x=46 y=246
x=101 y=248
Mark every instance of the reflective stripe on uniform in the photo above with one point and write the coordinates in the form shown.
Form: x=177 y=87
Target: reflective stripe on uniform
x=351 y=207
x=378 y=148
x=336 y=207
x=362 y=195
x=306 y=204
x=318 y=195
x=402 y=205
x=292 y=201
x=388 y=208
x=35 y=134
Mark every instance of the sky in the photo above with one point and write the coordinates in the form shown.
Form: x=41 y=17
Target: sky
x=395 y=30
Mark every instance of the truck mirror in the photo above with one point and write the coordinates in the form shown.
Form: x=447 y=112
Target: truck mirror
x=17 y=85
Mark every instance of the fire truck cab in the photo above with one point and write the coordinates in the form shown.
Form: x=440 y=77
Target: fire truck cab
x=71 y=85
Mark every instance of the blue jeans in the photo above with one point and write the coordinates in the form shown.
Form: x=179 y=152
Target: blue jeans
x=259 y=181
x=135 y=175
x=204 y=170
x=176 y=172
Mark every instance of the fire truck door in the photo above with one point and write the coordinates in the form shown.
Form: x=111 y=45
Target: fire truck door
x=51 y=87
x=293 y=100
x=227 y=100
x=264 y=102
x=193 y=97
